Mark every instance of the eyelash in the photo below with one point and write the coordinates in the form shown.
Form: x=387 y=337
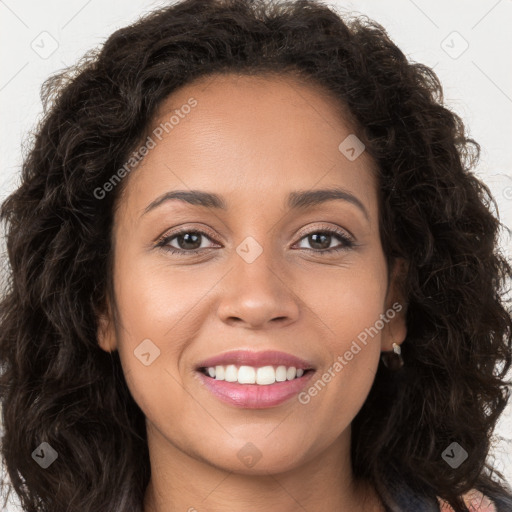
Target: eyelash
x=348 y=243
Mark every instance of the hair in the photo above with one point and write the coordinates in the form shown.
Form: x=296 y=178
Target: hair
x=58 y=386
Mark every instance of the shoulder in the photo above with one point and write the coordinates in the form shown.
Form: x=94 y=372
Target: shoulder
x=474 y=500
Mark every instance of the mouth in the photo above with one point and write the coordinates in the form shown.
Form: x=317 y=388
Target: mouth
x=254 y=379
x=254 y=388
x=254 y=396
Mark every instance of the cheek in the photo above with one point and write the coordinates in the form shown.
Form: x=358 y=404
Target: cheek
x=347 y=305
x=348 y=299
x=160 y=312
x=158 y=302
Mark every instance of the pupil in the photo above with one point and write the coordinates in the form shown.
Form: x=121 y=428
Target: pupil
x=316 y=235
x=186 y=237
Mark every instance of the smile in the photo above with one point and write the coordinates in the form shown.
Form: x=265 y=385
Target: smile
x=267 y=390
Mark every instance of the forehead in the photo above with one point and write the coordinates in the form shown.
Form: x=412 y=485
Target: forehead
x=249 y=138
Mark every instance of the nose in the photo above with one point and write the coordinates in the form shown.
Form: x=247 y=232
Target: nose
x=257 y=296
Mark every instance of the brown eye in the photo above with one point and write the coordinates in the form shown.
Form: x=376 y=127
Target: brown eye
x=320 y=241
x=186 y=241
x=189 y=241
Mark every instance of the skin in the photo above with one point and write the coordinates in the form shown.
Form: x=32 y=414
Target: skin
x=252 y=140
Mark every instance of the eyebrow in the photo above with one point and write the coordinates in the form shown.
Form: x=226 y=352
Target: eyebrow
x=298 y=200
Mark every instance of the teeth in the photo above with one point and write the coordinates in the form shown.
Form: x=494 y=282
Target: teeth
x=291 y=373
x=218 y=372
x=281 y=373
x=247 y=375
x=231 y=374
x=264 y=375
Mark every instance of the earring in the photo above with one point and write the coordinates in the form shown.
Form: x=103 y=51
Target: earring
x=393 y=359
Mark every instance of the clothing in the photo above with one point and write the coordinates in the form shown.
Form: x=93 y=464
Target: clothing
x=474 y=500
x=406 y=500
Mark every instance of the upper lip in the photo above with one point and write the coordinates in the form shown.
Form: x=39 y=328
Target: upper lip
x=256 y=359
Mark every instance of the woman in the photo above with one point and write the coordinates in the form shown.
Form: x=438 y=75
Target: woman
x=178 y=334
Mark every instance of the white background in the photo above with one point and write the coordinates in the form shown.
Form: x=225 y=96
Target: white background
x=477 y=83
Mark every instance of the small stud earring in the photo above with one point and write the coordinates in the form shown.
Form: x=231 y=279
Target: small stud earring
x=393 y=359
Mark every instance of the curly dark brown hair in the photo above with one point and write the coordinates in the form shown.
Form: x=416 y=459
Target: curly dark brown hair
x=58 y=385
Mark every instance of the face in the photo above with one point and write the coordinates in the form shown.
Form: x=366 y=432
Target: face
x=262 y=273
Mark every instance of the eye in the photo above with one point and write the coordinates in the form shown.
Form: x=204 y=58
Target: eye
x=188 y=241
x=321 y=241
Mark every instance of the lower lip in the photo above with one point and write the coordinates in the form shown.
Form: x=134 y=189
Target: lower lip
x=255 y=396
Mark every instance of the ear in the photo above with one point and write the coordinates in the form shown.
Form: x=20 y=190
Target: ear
x=106 y=334
x=395 y=329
